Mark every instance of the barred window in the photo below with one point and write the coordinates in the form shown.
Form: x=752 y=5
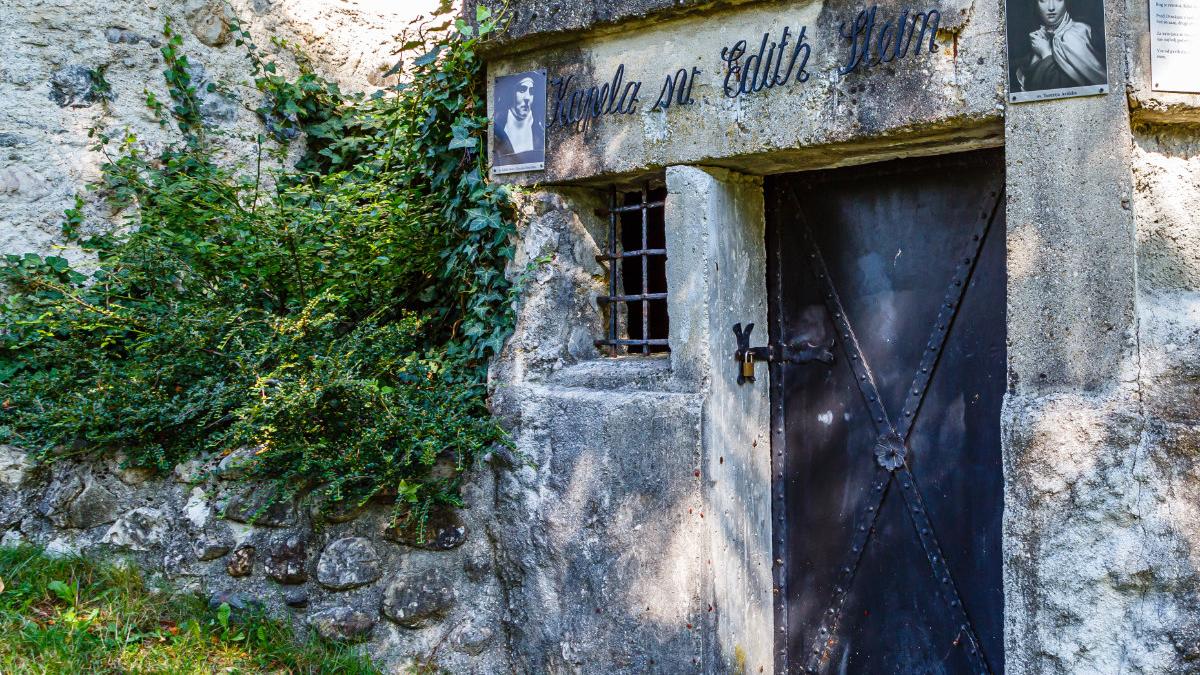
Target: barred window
x=637 y=272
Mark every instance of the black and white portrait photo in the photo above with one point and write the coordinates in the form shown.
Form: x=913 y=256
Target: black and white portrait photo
x=1055 y=49
x=519 y=123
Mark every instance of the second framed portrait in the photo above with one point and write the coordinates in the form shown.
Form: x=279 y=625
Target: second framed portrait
x=1056 y=49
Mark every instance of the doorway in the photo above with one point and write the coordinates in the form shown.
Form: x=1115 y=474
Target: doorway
x=886 y=466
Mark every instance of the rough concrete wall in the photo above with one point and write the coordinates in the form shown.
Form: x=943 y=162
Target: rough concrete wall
x=48 y=101
x=1100 y=459
x=1165 y=573
x=1102 y=530
x=599 y=517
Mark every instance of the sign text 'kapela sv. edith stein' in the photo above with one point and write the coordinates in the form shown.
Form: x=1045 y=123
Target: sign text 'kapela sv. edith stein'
x=777 y=60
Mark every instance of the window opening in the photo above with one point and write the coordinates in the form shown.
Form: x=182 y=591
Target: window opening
x=637 y=272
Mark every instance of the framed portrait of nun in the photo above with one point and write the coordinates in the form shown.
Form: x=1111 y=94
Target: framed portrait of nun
x=1056 y=49
x=519 y=122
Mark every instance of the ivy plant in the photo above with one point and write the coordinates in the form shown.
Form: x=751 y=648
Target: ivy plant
x=337 y=317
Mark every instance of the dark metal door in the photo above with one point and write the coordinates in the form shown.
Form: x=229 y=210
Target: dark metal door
x=886 y=464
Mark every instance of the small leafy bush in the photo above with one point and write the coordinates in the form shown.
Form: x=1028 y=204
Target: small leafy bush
x=338 y=316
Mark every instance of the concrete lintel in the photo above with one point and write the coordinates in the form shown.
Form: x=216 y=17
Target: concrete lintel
x=716 y=277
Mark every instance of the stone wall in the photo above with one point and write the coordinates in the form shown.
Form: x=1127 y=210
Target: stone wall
x=349 y=574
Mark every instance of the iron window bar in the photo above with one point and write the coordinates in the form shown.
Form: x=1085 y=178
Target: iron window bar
x=617 y=261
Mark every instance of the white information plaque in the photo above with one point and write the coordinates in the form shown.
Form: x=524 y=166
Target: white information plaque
x=1175 y=45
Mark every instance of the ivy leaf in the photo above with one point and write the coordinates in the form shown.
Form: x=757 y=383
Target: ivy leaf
x=429 y=57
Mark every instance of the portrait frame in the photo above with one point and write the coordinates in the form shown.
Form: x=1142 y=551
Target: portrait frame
x=526 y=149
x=1078 y=62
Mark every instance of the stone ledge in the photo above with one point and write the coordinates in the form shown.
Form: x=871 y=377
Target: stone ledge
x=542 y=23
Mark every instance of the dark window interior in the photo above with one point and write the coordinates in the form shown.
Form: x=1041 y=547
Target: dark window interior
x=637 y=303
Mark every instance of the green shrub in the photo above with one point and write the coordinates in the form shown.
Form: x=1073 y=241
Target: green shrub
x=338 y=316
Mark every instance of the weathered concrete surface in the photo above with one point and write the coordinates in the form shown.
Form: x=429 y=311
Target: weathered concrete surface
x=598 y=538
x=1101 y=531
x=598 y=523
x=717 y=241
x=538 y=23
x=955 y=94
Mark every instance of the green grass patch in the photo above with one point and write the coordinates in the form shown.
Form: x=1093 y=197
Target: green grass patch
x=74 y=615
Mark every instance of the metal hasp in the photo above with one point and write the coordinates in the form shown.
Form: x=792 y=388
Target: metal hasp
x=887 y=483
x=797 y=352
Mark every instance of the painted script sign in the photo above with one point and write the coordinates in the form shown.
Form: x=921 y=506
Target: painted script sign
x=773 y=60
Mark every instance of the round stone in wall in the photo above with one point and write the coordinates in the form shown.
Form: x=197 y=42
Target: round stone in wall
x=443 y=531
x=242 y=562
x=416 y=600
x=285 y=563
x=344 y=624
x=296 y=597
x=348 y=563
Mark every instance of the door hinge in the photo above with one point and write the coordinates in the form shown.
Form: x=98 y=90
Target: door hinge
x=796 y=352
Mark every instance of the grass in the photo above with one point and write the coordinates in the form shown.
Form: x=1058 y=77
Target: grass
x=74 y=615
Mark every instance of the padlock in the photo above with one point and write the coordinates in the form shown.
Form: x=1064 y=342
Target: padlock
x=748 y=366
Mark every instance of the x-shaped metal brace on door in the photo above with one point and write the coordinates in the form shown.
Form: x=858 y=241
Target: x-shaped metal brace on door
x=891 y=446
